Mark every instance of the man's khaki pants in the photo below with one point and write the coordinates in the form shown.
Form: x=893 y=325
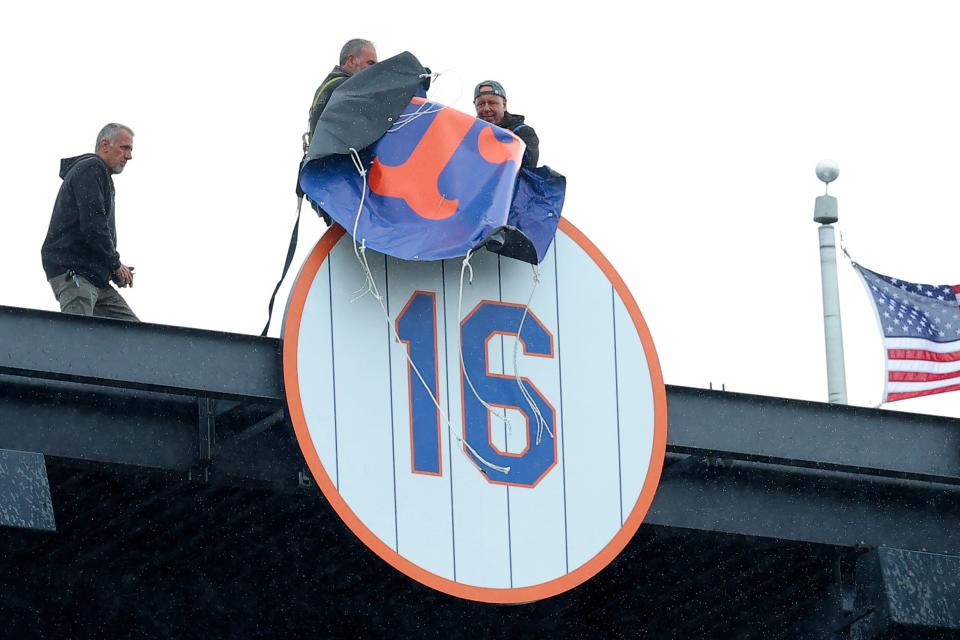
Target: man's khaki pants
x=79 y=296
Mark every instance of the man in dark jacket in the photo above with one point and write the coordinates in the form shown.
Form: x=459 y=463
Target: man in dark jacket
x=355 y=56
x=80 y=252
x=490 y=100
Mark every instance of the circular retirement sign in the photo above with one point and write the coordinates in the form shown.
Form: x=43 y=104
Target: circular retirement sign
x=491 y=450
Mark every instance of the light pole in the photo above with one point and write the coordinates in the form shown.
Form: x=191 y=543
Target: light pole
x=825 y=212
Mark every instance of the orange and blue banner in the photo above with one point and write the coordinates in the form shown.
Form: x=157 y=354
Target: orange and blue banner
x=439 y=183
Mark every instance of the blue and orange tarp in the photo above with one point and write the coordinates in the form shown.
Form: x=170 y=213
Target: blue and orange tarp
x=439 y=182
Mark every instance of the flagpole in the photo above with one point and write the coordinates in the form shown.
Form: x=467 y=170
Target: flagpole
x=825 y=212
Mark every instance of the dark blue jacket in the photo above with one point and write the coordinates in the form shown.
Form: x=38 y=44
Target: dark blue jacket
x=82 y=236
x=525 y=132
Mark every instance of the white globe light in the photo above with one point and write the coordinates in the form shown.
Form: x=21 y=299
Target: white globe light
x=827 y=170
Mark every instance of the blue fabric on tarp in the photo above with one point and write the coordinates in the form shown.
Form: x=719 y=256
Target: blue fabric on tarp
x=535 y=211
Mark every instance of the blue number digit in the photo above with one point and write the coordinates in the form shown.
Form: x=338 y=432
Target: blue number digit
x=488 y=319
x=417 y=328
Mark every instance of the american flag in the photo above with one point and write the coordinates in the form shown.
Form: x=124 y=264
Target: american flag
x=921 y=333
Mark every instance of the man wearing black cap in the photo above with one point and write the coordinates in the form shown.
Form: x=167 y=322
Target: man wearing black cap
x=490 y=100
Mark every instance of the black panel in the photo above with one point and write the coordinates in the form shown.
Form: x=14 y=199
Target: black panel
x=24 y=492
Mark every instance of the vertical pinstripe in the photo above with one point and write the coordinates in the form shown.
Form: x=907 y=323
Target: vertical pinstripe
x=590 y=429
x=446 y=358
x=635 y=407
x=393 y=437
x=333 y=365
x=364 y=452
x=563 y=450
x=616 y=380
x=506 y=431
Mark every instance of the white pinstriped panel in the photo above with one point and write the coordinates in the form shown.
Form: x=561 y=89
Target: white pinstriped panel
x=315 y=371
x=364 y=422
x=635 y=406
x=459 y=525
x=590 y=445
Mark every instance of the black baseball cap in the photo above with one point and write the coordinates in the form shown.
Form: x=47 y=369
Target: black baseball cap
x=494 y=88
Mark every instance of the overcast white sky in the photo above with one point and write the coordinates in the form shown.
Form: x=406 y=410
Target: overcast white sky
x=688 y=131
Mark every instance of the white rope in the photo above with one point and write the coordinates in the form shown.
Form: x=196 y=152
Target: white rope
x=843 y=247
x=489 y=407
x=423 y=109
x=541 y=422
x=406 y=118
x=360 y=251
x=452 y=79
x=428 y=106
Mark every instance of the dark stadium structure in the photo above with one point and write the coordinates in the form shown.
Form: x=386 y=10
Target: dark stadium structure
x=151 y=487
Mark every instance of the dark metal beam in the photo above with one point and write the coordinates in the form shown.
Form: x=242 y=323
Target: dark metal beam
x=799 y=433
x=56 y=346
x=808 y=505
x=98 y=424
x=144 y=429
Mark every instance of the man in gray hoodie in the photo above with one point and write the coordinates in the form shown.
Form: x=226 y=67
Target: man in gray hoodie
x=80 y=251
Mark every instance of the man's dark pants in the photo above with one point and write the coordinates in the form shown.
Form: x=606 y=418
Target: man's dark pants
x=79 y=296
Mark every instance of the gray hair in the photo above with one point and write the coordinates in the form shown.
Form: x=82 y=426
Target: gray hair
x=110 y=132
x=353 y=48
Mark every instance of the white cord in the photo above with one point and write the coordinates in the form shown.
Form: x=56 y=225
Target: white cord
x=360 y=251
x=489 y=407
x=541 y=421
x=452 y=79
x=406 y=118
x=428 y=106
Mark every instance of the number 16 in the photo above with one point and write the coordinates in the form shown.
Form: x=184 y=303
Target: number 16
x=417 y=328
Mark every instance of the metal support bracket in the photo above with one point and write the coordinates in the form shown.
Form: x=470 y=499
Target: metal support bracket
x=206 y=438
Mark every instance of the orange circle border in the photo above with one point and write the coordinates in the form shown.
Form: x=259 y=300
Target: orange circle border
x=291 y=337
